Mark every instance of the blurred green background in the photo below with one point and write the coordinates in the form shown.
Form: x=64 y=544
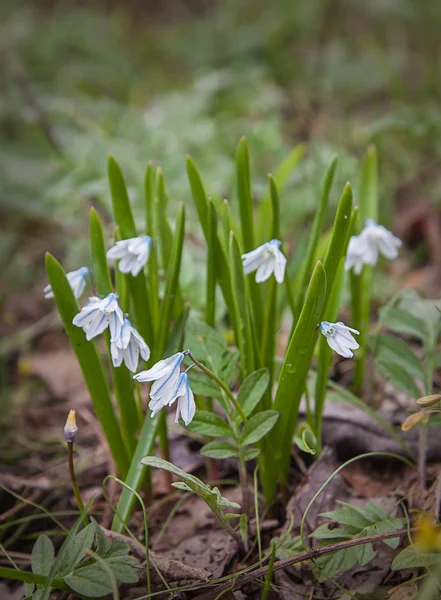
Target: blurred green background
x=151 y=80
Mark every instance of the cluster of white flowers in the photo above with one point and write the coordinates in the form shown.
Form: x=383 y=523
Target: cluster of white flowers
x=170 y=383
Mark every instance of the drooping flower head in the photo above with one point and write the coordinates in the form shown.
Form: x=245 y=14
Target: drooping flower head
x=77 y=280
x=99 y=313
x=128 y=346
x=170 y=384
x=265 y=260
x=186 y=406
x=339 y=338
x=70 y=429
x=374 y=239
x=132 y=254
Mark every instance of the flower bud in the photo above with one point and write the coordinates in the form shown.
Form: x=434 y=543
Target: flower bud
x=426 y=401
x=413 y=420
x=70 y=429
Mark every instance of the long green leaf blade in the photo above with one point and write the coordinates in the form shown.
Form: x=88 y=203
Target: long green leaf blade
x=90 y=363
x=292 y=380
x=317 y=225
x=121 y=376
x=243 y=322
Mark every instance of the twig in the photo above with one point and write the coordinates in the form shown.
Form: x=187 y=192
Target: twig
x=287 y=562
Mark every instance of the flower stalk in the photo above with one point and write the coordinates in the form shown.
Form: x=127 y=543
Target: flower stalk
x=70 y=433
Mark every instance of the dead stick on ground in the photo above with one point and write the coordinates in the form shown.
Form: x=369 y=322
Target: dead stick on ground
x=287 y=562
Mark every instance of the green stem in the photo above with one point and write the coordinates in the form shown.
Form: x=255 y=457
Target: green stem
x=221 y=384
x=73 y=480
x=269 y=575
x=28 y=577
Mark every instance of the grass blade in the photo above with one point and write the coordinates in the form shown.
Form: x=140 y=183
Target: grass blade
x=150 y=228
x=243 y=182
x=292 y=381
x=121 y=377
x=325 y=352
x=222 y=266
x=280 y=177
x=317 y=225
x=210 y=295
x=244 y=337
x=361 y=285
x=126 y=224
x=91 y=366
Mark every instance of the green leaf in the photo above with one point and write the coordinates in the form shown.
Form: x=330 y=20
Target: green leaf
x=337 y=246
x=335 y=563
x=77 y=549
x=202 y=385
x=122 y=379
x=91 y=366
x=120 y=200
x=219 y=449
x=401 y=321
x=292 y=380
x=212 y=249
x=414 y=558
x=136 y=474
x=397 y=377
x=355 y=522
x=208 y=346
x=308 y=261
x=91 y=581
x=394 y=350
x=251 y=453
x=210 y=424
x=258 y=426
x=29 y=589
x=243 y=180
x=150 y=228
x=325 y=353
x=172 y=280
x=180 y=485
x=199 y=195
x=125 y=572
x=242 y=316
x=43 y=554
x=101 y=273
x=211 y=496
x=221 y=501
x=252 y=390
x=280 y=178
x=305 y=439
x=287 y=546
x=369 y=185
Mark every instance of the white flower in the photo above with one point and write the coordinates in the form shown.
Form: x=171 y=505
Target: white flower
x=363 y=249
x=77 y=280
x=99 y=313
x=132 y=254
x=265 y=260
x=339 y=337
x=128 y=346
x=186 y=405
x=165 y=374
